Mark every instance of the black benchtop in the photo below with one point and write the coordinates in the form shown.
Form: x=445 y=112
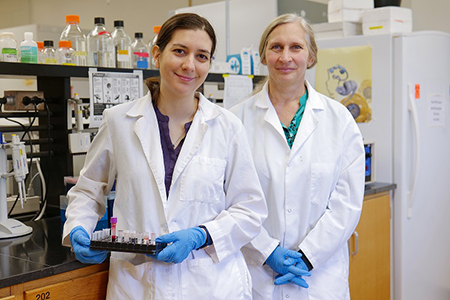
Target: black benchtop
x=378 y=187
x=37 y=255
x=41 y=254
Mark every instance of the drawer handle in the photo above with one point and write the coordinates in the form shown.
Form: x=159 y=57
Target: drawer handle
x=356 y=244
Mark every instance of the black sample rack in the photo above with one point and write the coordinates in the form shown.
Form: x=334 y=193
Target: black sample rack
x=108 y=245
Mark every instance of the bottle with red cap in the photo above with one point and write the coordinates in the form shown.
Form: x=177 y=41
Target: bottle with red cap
x=73 y=33
x=100 y=46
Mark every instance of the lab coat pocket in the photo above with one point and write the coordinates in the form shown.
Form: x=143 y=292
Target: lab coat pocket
x=223 y=280
x=322 y=178
x=203 y=179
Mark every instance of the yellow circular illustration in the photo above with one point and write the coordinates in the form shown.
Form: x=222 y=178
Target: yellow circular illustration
x=358 y=107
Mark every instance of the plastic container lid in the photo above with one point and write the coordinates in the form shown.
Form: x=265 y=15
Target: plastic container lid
x=7 y=33
x=47 y=43
x=118 y=23
x=28 y=36
x=156 y=29
x=65 y=44
x=113 y=220
x=73 y=18
x=40 y=45
x=139 y=35
x=99 y=20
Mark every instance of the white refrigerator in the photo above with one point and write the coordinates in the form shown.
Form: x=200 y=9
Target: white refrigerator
x=410 y=128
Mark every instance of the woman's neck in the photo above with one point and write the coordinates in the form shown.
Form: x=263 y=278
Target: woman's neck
x=283 y=95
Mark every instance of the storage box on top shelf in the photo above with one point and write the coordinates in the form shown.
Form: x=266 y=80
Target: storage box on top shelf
x=385 y=20
x=336 y=29
x=347 y=10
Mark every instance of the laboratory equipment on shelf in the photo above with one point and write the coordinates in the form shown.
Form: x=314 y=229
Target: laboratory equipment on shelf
x=100 y=46
x=141 y=53
x=73 y=33
x=122 y=45
x=8 y=47
x=10 y=228
x=28 y=49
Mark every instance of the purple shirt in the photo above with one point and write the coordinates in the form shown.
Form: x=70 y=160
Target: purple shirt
x=170 y=154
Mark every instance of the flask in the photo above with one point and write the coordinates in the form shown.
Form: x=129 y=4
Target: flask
x=8 y=47
x=65 y=53
x=28 y=49
x=100 y=46
x=156 y=30
x=40 y=52
x=141 y=55
x=49 y=54
x=122 y=45
x=73 y=33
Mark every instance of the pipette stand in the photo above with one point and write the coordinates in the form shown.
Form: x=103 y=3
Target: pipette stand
x=9 y=228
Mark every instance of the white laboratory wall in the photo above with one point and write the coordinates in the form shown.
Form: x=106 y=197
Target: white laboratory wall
x=248 y=19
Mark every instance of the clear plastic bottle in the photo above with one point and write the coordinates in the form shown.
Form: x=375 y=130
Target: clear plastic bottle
x=156 y=30
x=40 y=52
x=100 y=46
x=49 y=54
x=122 y=45
x=73 y=33
x=8 y=47
x=141 y=54
x=28 y=49
x=65 y=54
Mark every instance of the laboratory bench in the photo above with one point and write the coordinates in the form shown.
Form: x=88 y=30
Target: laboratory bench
x=37 y=265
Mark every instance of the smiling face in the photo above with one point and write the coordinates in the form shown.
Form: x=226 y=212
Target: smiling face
x=184 y=62
x=286 y=54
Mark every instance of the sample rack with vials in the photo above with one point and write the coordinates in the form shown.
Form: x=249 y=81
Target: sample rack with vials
x=125 y=241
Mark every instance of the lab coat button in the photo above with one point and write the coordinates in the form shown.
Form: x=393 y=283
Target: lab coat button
x=288 y=296
x=289 y=210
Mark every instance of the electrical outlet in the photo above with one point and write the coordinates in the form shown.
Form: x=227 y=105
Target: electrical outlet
x=18 y=100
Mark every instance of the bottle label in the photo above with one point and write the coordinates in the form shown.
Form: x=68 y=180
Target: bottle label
x=142 y=64
x=50 y=61
x=141 y=54
x=68 y=64
x=104 y=32
x=79 y=53
x=9 y=54
x=122 y=55
x=28 y=54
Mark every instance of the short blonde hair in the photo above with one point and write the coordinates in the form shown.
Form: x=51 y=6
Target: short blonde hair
x=286 y=19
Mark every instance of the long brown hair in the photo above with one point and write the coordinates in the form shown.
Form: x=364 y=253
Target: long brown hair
x=174 y=23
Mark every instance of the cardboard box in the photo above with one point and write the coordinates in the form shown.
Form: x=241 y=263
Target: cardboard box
x=336 y=29
x=385 y=20
x=347 y=10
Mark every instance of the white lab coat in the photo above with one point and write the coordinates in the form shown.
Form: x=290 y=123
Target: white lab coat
x=214 y=183
x=314 y=193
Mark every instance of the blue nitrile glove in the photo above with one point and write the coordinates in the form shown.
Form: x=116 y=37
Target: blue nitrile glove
x=290 y=278
x=282 y=260
x=80 y=243
x=183 y=242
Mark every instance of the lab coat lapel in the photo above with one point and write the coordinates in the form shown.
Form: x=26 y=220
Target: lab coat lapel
x=147 y=131
x=310 y=120
x=195 y=136
x=270 y=116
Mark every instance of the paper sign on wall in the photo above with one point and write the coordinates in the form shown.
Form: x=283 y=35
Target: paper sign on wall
x=436 y=110
x=108 y=89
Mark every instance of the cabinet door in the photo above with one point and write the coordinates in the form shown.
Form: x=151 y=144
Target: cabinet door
x=90 y=287
x=370 y=266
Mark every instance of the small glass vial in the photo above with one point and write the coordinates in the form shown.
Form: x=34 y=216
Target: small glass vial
x=65 y=53
x=113 y=228
x=49 y=53
x=153 y=238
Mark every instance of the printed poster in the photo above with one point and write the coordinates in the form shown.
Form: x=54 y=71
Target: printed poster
x=111 y=88
x=345 y=75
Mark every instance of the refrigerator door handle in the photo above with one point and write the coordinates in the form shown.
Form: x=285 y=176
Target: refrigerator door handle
x=415 y=121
